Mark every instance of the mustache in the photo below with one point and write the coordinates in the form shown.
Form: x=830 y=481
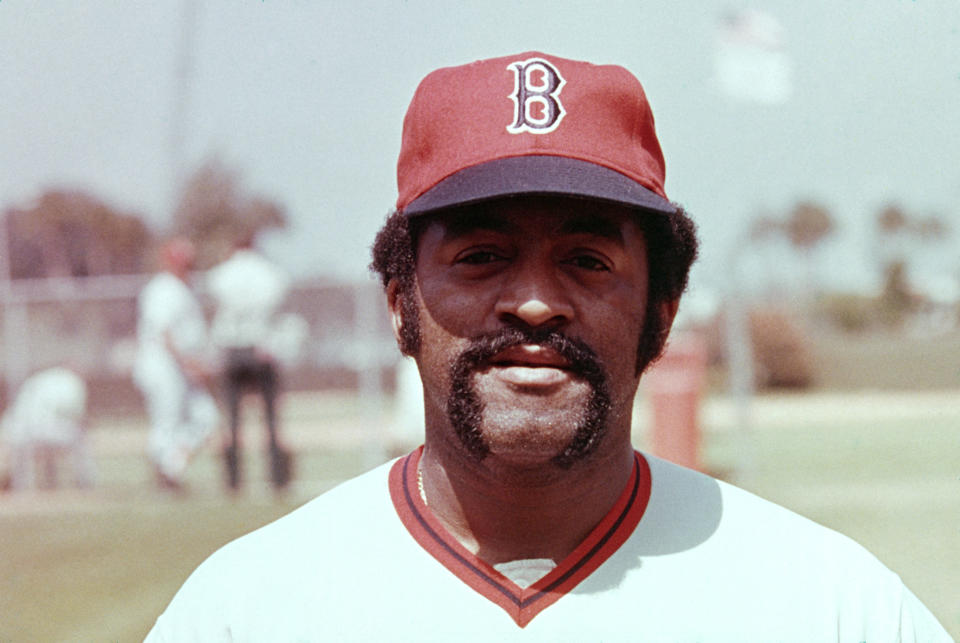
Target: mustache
x=465 y=409
x=582 y=360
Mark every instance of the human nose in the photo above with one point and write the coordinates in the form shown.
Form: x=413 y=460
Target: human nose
x=534 y=298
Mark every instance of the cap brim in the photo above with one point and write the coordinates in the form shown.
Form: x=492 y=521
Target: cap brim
x=536 y=175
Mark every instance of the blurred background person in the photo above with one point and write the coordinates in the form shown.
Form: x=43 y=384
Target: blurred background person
x=44 y=426
x=172 y=367
x=247 y=291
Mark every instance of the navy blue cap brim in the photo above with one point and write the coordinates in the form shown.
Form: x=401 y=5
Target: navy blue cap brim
x=536 y=176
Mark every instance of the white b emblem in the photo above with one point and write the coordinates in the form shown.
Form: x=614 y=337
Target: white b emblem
x=536 y=97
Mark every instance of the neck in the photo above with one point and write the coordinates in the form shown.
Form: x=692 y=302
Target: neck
x=502 y=512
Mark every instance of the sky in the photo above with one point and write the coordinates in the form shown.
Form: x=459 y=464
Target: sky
x=305 y=101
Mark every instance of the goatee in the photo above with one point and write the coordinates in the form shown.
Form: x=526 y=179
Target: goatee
x=465 y=409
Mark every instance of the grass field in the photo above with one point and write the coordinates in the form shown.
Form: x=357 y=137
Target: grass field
x=101 y=565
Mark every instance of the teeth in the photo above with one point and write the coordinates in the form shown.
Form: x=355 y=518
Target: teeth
x=528 y=357
x=527 y=364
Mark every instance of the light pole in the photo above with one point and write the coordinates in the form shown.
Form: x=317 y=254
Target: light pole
x=752 y=68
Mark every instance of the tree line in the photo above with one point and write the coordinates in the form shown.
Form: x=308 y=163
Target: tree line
x=899 y=236
x=74 y=233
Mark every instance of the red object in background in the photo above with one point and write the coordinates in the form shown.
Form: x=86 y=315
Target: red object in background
x=675 y=386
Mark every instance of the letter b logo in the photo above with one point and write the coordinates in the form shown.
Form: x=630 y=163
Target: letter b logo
x=536 y=97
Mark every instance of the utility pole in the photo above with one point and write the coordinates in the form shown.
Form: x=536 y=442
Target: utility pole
x=179 y=122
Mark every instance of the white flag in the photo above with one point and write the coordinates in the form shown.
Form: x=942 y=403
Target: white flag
x=751 y=62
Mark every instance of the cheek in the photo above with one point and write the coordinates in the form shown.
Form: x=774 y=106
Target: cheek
x=439 y=345
x=619 y=335
x=617 y=329
x=458 y=311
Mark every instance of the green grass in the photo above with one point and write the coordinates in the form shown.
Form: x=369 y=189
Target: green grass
x=102 y=566
x=103 y=576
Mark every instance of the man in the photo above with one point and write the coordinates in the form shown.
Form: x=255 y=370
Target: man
x=45 y=424
x=533 y=269
x=248 y=290
x=172 y=366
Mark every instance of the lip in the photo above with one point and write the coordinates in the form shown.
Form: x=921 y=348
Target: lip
x=531 y=366
x=530 y=356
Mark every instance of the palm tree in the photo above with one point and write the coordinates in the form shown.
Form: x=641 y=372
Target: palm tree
x=807 y=226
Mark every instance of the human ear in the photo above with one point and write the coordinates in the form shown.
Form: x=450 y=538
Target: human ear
x=653 y=339
x=668 y=312
x=395 y=306
x=404 y=317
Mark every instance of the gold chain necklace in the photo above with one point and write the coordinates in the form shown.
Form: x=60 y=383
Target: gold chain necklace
x=423 y=494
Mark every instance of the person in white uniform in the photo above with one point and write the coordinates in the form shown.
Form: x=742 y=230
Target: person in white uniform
x=173 y=366
x=45 y=425
x=248 y=290
x=533 y=268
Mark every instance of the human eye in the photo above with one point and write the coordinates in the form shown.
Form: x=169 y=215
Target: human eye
x=478 y=257
x=588 y=261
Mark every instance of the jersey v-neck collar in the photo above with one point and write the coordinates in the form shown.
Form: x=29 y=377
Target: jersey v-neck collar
x=521 y=604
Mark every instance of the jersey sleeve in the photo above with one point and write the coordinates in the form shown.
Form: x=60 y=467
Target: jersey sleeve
x=918 y=624
x=166 y=630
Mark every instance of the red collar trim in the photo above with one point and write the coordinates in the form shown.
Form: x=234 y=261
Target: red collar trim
x=521 y=604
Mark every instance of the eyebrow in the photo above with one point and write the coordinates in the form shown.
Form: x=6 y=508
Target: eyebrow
x=593 y=225
x=469 y=222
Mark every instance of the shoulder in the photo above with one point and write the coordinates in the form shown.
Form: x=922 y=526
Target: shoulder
x=164 y=288
x=274 y=570
x=786 y=563
x=215 y=276
x=240 y=270
x=705 y=510
x=694 y=521
x=311 y=532
x=776 y=565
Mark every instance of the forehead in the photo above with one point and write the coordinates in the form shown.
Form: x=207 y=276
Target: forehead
x=542 y=216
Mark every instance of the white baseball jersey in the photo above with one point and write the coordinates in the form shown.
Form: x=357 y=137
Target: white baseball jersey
x=182 y=415
x=680 y=557
x=167 y=309
x=248 y=290
x=49 y=409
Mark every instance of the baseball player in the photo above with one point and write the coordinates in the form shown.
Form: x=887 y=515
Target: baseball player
x=170 y=367
x=46 y=424
x=533 y=268
x=247 y=290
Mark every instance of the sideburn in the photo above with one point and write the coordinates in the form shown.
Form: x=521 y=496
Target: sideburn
x=410 y=339
x=653 y=338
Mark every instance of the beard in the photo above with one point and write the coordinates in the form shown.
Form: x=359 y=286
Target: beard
x=465 y=409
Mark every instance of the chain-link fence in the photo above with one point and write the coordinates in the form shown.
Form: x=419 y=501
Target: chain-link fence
x=339 y=335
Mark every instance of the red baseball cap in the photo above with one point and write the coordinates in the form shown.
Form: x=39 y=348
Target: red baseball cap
x=529 y=124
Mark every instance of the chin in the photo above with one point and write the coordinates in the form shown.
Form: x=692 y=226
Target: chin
x=527 y=440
